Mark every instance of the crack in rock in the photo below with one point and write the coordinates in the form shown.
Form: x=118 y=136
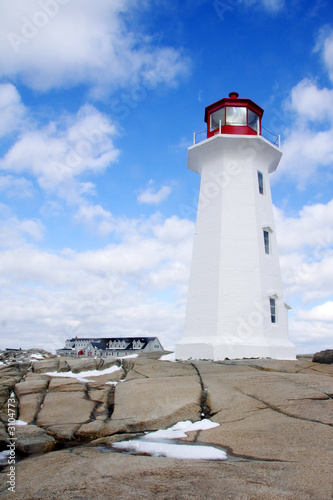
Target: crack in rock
x=232 y=457
x=126 y=366
x=319 y=398
x=205 y=408
x=141 y=374
x=110 y=403
x=279 y=410
x=46 y=390
x=314 y=368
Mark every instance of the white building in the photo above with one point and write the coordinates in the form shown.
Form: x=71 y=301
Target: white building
x=235 y=305
x=113 y=346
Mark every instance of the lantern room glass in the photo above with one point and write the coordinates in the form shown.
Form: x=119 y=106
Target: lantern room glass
x=253 y=120
x=236 y=116
x=216 y=117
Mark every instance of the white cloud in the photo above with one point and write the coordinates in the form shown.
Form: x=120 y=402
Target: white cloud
x=12 y=111
x=173 y=229
x=59 y=43
x=306 y=259
x=328 y=54
x=96 y=218
x=307 y=280
x=138 y=286
x=16 y=187
x=324 y=45
x=312 y=103
x=110 y=291
x=51 y=208
x=152 y=196
x=311 y=336
x=323 y=312
x=304 y=152
x=61 y=151
x=308 y=144
x=306 y=251
x=312 y=228
x=14 y=232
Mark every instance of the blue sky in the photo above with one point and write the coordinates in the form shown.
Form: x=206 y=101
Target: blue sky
x=99 y=101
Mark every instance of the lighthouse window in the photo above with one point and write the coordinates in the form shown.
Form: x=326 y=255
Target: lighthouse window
x=253 y=120
x=261 y=182
x=272 y=304
x=216 y=117
x=236 y=115
x=266 y=241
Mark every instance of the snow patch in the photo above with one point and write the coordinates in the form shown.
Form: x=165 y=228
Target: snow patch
x=20 y=422
x=156 y=443
x=168 y=357
x=128 y=356
x=180 y=429
x=180 y=451
x=4 y=455
x=82 y=375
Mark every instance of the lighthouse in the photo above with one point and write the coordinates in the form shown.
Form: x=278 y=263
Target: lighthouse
x=235 y=305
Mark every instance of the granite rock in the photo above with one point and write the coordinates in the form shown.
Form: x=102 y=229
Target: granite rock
x=31 y=439
x=275 y=422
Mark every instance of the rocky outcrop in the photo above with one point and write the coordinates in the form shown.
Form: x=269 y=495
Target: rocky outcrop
x=31 y=439
x=30 y=395
x=324 y=357
x=275 y=424
x=9 y=376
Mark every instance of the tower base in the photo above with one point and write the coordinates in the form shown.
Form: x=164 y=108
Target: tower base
x=218 y=351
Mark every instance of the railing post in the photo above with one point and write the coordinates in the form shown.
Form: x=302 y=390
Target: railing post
x=220 y=126
x=193 y=138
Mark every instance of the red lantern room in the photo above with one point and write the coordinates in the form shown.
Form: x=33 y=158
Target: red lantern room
x=233 y=116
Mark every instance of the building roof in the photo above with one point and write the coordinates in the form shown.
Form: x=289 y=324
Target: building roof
x=103 y=343
x=107 y=339
x=99 y=343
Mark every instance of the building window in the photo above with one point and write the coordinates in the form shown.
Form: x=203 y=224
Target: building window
x=272 y=304
x=261 y=182
x=266 y=241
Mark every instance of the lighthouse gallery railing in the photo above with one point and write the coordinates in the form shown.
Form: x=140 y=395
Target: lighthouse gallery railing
x=267 y=134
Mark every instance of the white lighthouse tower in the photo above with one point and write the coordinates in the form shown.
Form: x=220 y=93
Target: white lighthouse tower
x=235 y=306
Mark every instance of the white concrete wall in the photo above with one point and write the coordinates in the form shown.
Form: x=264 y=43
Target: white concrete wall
x=231 y=276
